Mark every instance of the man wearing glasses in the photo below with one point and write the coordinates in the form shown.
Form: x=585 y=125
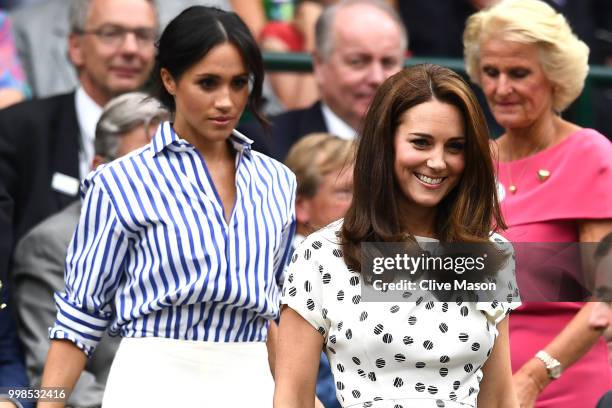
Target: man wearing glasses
x=46 y=145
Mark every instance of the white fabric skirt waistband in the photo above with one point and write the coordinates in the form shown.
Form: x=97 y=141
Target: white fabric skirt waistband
x=159 y=372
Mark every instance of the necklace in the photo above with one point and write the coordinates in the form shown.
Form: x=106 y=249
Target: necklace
x=542 y=174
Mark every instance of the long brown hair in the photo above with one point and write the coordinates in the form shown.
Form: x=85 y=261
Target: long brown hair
x=467 y=214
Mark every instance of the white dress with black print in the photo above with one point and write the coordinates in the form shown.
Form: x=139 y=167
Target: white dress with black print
x=395 y=355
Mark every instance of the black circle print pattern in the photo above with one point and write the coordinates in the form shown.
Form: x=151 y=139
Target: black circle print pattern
x=401 y=354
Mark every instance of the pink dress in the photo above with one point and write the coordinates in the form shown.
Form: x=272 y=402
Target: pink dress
x=579 y=187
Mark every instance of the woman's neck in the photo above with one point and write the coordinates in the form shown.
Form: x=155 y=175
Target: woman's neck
x=419 y=221
x=216 y=152
x=519 y=143
x=212 y=151
x=524 y=142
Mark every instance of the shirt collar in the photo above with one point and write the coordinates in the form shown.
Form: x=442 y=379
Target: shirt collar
x=88 y=114
x=337 y=126
x=166 y=136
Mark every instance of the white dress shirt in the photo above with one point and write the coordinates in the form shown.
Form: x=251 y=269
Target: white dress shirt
x=88 y=113
x=337 y=126
x=153 y=255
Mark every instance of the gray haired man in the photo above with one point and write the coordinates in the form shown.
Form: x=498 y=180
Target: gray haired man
x=359 y=44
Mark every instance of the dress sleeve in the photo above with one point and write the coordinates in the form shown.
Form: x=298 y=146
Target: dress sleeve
x=507 y=296
x=93 y=271
x=303 y=288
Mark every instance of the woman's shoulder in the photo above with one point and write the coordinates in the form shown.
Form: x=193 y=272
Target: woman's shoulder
x=585 y=151
x=264 y=158
x=119 y=164
x=581 y=151
x=586 y=141
x=327 y=237
x=322 y=247
x=591 y=140
x=117 y=168
x=498 y=238
x=266 y=163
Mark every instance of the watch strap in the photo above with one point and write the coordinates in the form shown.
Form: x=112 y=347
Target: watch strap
x=553 y=366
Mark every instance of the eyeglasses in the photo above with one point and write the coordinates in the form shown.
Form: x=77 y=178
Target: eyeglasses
x=114 y=35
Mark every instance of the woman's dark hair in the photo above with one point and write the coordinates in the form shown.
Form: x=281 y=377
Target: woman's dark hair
x=192 y=34
x=467 y=214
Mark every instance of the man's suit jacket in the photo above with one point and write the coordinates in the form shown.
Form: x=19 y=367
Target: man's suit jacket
x=605 y=401
x=37 y=139
x=39 y=272
x=287 y=128
x=12 y=369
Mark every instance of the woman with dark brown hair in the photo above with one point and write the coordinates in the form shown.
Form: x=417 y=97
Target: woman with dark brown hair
x=181 y=247
x=423 y=174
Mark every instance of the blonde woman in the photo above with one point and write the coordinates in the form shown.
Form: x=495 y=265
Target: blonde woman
x=555 y=181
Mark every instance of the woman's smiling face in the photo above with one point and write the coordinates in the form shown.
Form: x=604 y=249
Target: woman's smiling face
x=429 y=153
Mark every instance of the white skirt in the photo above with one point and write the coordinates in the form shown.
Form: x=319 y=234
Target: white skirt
x=158 y=372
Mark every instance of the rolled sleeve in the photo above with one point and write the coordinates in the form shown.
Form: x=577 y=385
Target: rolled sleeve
x=80 y=326
x=94 y=266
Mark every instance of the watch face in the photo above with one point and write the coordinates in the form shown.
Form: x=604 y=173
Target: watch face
x=555 y=372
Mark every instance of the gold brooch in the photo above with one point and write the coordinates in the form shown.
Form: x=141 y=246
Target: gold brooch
x=543 y=174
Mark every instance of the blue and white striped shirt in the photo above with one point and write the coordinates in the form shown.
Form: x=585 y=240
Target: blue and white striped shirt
x=153 y=255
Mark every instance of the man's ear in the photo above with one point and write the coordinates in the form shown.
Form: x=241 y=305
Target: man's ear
x=75 y=49
x=317 y=66
x=302 y=210
x=168 y=81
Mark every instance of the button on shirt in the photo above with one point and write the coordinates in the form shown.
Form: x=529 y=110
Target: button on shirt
x=153 y=255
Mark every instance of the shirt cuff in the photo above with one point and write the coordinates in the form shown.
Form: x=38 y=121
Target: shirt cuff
x=83 y=328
